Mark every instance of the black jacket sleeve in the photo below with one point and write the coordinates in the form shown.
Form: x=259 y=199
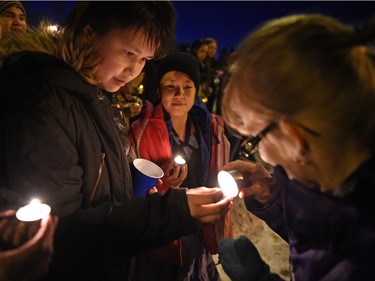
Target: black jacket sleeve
x=125 y=229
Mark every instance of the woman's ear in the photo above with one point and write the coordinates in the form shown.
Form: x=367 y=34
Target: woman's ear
x=295 y=135
x=88 y=34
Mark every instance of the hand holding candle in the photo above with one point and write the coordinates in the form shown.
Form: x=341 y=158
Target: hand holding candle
x=256 y=183
x=175 y=171
x=18 y=227
x=30 y=246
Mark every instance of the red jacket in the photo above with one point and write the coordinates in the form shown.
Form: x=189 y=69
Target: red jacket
x=150 y=140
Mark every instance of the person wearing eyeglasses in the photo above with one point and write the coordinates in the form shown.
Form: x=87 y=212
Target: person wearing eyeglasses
x=303 y=89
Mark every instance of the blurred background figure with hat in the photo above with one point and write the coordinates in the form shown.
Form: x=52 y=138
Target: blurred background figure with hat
x=12 y=17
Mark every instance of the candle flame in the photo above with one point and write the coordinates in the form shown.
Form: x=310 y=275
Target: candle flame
x=35 y=201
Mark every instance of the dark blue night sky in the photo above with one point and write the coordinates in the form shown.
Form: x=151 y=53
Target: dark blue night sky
x=226 y=21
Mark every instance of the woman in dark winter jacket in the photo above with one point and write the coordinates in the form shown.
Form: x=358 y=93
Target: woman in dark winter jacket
x=63 y=138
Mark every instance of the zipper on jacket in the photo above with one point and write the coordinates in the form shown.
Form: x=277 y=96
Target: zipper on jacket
x=100 y=172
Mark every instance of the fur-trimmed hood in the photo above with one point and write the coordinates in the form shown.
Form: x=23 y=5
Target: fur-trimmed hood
x=75 y=53
x=38 y=40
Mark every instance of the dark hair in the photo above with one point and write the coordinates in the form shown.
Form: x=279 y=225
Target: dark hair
x=179 y=61
x=157 y=18
x=197 y=44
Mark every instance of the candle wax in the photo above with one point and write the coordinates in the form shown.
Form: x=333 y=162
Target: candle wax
x=33 y=211
x=179 y=160
x=227 y=184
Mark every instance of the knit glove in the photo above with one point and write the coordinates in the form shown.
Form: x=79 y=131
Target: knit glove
x=242 y=262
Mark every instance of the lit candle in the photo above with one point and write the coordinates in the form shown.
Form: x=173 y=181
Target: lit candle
x=227 y=184
x=33 y=211
x=179 y=160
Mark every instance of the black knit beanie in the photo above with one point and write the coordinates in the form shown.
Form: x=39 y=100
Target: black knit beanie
x=182 y=62
x=5 y=5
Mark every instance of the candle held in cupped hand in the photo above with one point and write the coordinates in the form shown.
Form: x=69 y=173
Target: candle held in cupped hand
x=33 y=211
x=179 y=160
x=227 y=182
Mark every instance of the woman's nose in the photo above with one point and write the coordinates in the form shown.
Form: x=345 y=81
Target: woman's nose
x=133 y=69
x=16 y=20
x=128 y=71
x=179 y=91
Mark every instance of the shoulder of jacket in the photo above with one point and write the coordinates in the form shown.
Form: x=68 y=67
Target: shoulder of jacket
x=26 y=68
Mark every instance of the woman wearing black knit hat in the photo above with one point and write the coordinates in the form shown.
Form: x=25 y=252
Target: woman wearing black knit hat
x=180 y=124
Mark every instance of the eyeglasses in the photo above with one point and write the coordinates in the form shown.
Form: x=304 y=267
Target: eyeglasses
x=251 y=145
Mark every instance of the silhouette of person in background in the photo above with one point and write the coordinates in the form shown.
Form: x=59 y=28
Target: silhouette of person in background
x=216 y=72
x=199 y=49
x=130 y=100
x=12 y=17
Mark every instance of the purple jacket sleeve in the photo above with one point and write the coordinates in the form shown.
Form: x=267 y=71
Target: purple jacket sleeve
x=271 y=213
